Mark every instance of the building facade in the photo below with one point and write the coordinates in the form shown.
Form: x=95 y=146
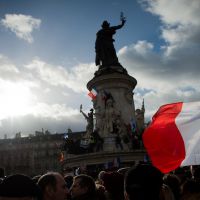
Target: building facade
x=31 y=155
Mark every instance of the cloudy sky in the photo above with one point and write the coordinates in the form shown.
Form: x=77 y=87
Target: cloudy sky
x=47 y=57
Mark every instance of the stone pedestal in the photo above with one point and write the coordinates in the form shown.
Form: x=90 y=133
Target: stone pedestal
x=109 y=143
x=113 y=87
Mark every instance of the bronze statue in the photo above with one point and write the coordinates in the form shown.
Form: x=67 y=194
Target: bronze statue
x=105 y=51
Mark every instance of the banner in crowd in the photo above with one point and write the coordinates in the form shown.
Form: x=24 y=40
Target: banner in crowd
x=173 y=137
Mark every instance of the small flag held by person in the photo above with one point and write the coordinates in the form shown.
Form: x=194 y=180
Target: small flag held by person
x=173 y=137
x=133 y=125
x=66 y=136
x=93 y=93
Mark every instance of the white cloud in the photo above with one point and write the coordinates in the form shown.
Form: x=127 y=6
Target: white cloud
x=15 y=98
x=41 y=94
x=173 y=73
x=161 y=80
x=6 y=66
x=21 y=25
x=174 y=12
x=29 y=124
x=163 y=77
x=144 y=57
x=180 y=19
x=76 y=78
x=143 y=47
x=54 y=111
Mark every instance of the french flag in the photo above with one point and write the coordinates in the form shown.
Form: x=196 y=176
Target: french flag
x=92 y=93
x=173 y=137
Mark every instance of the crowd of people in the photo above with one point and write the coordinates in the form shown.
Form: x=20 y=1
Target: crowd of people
x=140 y=182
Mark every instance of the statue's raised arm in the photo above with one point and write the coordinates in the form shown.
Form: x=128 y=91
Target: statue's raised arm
x=81 y=111
x=105 y=51
x=119 y=26
x=123 y=21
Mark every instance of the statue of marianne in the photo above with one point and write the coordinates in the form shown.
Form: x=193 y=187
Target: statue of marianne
x=105 y=51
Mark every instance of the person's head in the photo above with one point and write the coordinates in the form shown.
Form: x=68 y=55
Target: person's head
x=53 y=186
x=19 y=187
x=100 y=176
x=105 y=24
x=83 y=185
x=114 y=184
x=143 y=182
x=196 y=173
x=190 y=187
x=123 y=170
x=174 y=183
x=91 y=110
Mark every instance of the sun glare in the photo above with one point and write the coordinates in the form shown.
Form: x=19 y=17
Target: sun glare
x=15 y=100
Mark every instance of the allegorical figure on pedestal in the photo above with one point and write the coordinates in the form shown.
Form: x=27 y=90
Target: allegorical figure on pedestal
x=111 y=122
x=105 y=50
x=90 y=123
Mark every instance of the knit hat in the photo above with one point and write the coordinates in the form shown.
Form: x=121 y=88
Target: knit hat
x=144 y=179
x=19 y=185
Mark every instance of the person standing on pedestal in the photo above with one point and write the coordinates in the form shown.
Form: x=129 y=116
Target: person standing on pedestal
x=105 y=51
x=90 y=123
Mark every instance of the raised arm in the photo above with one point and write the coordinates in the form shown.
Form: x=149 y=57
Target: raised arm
x=86 y=117
x=123 y=21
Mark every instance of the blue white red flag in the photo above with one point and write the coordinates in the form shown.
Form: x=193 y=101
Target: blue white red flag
x=92 y=93
x=173 y=137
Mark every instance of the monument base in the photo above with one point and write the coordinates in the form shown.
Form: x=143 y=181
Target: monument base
x=114 y=105
x=111 y=69
x=110 y=144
